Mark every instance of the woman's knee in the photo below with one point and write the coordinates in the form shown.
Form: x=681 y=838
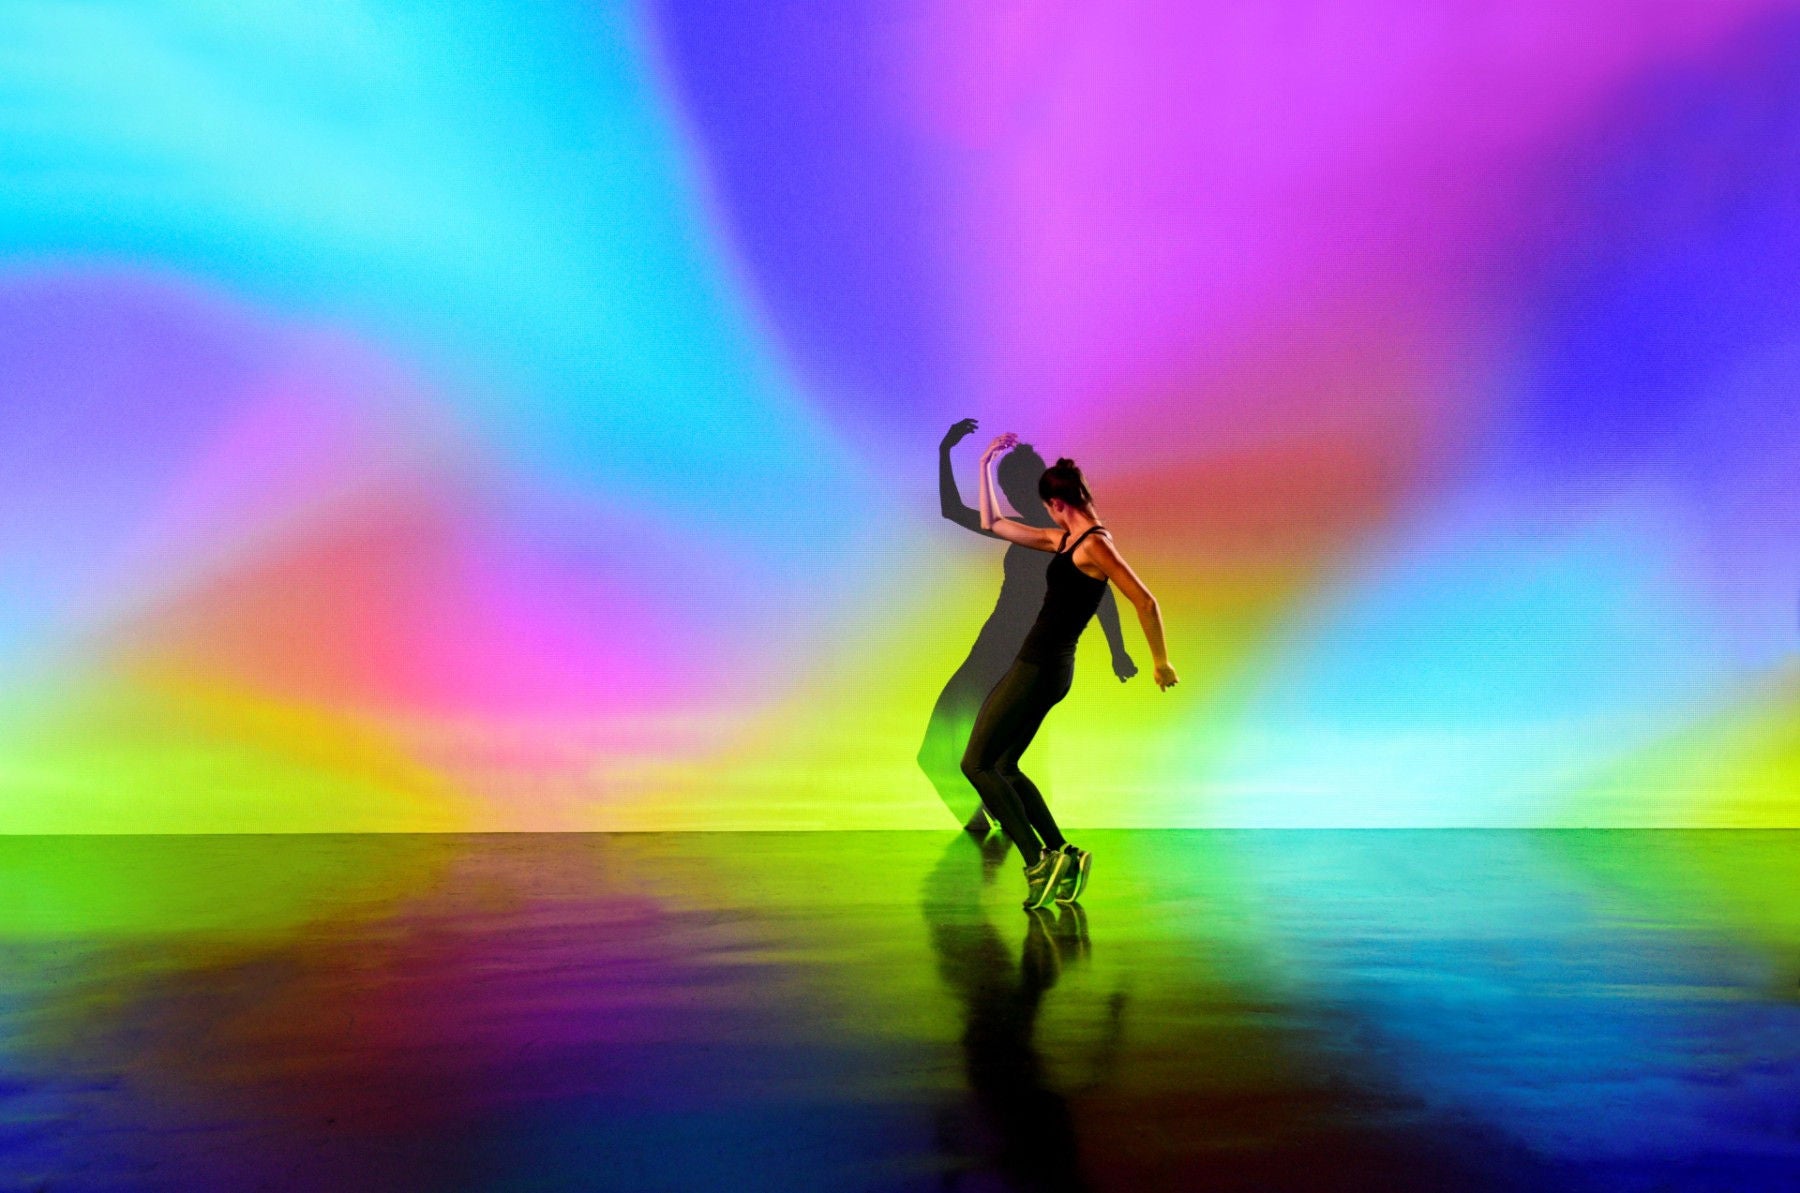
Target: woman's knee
x=971 y=766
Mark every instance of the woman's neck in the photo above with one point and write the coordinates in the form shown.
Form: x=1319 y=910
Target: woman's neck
x=1080 y=522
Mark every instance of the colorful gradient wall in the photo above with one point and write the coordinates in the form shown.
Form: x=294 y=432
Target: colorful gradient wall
x=479 y=415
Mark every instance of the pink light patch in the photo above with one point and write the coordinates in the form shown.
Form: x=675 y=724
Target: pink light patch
x=399 y=605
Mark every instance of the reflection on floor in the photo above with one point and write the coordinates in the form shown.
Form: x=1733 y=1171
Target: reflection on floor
x=1256 y=1011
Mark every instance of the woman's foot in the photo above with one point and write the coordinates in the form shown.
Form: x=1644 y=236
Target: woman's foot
x=1043 y=879
x=1075 y=874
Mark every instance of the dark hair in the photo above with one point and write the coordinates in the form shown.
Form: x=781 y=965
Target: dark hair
x=1062 y=480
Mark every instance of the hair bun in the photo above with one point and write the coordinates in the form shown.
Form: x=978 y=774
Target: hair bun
x=1064 y=482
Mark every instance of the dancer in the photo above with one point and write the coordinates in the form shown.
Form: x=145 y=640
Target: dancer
x=1045 y=667
x=997 y=644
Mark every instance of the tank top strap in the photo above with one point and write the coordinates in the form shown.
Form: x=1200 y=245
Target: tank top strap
x=1079 y=537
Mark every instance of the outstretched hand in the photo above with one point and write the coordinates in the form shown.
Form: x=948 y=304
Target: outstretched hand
x=1003 y=442
x=958 y=432
x=1165 y=676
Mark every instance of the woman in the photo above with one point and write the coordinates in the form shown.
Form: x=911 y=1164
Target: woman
x=995 y=647
x=1084 y=561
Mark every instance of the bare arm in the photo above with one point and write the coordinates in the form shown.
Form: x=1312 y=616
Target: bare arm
x=991 y=517
x=1107 y=557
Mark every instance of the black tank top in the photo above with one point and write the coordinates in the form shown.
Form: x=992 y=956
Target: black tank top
x=1070 y=598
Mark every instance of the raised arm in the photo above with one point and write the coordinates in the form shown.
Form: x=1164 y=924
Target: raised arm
x=991 y=518
x=949 y=496
x=1149 y=613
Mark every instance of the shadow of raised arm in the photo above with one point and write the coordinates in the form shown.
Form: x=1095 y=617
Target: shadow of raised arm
x=950 y=499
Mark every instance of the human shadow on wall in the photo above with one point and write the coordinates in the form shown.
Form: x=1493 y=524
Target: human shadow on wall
x=1001 y=635
x=1022 y=1125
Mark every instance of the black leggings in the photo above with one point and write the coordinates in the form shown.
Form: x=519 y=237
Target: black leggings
x=1008 y=719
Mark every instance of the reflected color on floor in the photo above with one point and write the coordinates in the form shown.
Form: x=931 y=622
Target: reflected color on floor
x=1249 y=1010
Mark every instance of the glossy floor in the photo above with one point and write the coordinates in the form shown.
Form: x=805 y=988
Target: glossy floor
x=1268 y=1011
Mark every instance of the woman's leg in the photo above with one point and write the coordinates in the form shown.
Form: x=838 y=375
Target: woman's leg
x=1014 y=707
x=1031 y=800
x=1053 y=686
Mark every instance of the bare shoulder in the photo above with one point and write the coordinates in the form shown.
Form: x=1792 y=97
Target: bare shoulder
x=1107 y=557
x=1096 y=552
x=1110 y=564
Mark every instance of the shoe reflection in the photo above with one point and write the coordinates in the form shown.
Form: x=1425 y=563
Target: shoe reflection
x=1022 y=1125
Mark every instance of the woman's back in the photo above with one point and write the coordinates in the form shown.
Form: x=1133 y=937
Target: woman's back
x=1071 y=597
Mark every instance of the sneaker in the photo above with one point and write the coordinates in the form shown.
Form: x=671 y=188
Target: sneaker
x=1042 y=880
x=1075 y=877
